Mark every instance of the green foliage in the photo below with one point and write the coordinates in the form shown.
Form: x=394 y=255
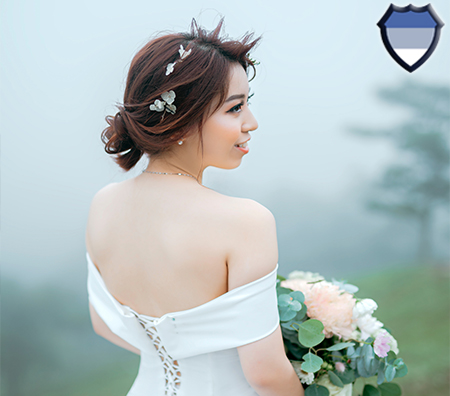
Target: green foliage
x=316 y=390
x=339 y=346
x=347 y=377
x=389 y=372
x=335 y=379
x=390 y=389
x=289 y=305
x=312 y=363
x=310 y=333
x=370 y=390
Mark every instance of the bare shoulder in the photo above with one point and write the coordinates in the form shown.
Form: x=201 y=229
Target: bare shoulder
x=253 y=249
x=97 y=213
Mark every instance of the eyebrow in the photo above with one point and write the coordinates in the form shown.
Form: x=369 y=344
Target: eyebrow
x=233 y=97
x=238 y=96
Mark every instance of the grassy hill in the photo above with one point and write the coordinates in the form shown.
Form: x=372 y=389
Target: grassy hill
x=414 y=303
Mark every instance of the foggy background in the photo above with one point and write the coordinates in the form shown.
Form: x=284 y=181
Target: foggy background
x=342 y=199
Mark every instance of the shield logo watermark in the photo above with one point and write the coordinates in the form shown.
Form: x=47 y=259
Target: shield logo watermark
x=410 y=34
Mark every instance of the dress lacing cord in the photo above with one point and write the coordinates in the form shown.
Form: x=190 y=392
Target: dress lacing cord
x=172 y=372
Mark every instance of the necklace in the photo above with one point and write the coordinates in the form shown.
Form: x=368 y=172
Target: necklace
x=165 y=173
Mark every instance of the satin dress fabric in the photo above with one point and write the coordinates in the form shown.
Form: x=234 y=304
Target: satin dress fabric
x=192 y=352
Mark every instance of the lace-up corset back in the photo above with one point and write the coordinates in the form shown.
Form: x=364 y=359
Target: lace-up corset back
x=192 y=352
x=171 y=367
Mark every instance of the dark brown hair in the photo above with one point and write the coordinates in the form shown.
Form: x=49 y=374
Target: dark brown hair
x=196 y=80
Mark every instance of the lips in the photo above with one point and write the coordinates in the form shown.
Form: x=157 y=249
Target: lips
x=242 y=144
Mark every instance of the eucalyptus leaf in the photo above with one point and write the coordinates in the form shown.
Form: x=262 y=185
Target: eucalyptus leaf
x=374 y=367
x=352 y=289
x=287 y=325
x=380 y=377
x=298 y=296
x=402 y=371
x=310 y=333
x=391 y=356
x=286 y=313
x=296 y=351
x=362 y=368
x=335 y=379
x=301 y=314
x=280 y=277
x=289 y=332
x=367 y=354
x=370 y=390
x=312 y=363
x=347 y=377
x=337 y=356
x=316 y=390
x=288 y=307
x=390 y=389
x=282 y=290
x=354 y=352
x=390 y=373
x=352 y=364
x=339 y=346
x=398 y=363
x=286 y=300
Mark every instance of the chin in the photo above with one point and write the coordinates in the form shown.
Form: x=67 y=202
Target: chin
x=229 y=165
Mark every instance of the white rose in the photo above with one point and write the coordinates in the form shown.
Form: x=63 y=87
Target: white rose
x=307 y=276
x=356 y=335
x=368 y=326
x=334 y=390
x=367 y=306
x=392 y=343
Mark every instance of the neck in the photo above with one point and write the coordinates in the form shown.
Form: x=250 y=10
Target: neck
x=165 y=166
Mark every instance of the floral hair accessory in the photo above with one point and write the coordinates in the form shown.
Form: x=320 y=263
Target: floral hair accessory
x=183 y=55
x=165 y=104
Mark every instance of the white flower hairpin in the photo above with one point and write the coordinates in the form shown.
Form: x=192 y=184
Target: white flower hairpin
x=165 y=104
x=183 y=55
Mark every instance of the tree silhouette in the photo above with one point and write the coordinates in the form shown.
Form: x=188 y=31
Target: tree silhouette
x=418 y=182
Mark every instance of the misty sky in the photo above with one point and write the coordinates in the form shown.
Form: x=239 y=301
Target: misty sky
x=63 y=67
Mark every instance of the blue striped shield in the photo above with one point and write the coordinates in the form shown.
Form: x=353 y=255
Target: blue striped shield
x=410 y=34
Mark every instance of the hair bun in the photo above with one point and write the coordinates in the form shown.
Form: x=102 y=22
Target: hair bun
x=117 y=140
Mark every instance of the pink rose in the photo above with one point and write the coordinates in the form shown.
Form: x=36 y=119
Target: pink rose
x=381 y=345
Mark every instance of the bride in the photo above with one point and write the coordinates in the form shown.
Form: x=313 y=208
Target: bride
x=179 y=273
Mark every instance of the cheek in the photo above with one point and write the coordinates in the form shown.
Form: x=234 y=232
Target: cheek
x=224 y=130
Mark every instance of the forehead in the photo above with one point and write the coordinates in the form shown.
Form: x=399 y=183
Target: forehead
x=238 y=83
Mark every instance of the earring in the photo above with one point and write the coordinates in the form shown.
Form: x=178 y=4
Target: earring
x=180 y=142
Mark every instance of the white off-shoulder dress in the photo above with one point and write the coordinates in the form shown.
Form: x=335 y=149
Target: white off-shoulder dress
x=192 y=352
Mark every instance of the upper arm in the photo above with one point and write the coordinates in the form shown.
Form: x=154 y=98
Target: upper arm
x=254 y=254
x=102 y=329
x=253 y=247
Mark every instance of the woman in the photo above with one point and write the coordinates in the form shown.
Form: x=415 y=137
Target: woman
x=178 y=273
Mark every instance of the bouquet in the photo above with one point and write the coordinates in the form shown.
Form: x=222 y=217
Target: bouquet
x=331 y=337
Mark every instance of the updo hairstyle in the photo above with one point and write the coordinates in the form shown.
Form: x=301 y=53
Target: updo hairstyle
x=197 y=80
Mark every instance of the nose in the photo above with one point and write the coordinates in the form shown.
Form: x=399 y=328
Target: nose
x=250 y=123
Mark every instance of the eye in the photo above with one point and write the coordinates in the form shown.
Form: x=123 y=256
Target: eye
x=237 y=108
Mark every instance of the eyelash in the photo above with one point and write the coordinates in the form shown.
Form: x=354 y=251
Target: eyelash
x=238 y=106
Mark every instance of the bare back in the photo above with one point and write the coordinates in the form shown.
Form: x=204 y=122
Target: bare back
x=160 y=251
